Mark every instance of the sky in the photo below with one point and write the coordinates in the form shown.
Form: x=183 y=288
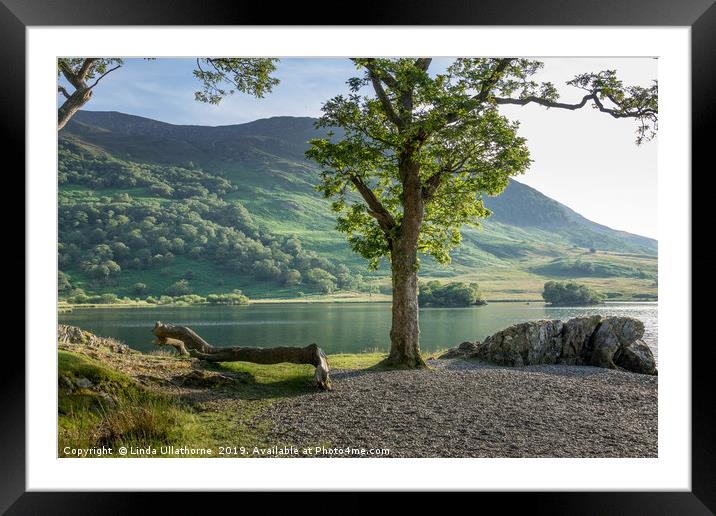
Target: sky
x=584 y=159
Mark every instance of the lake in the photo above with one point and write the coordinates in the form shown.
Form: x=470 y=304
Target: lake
x=335 y=327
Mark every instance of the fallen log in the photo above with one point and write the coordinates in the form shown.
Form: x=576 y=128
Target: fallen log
x=187 y=342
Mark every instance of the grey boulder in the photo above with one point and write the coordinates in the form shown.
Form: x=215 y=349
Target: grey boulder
x=609 y=342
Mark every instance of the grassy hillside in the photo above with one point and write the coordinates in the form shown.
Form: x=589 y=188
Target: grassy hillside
x=222 y=208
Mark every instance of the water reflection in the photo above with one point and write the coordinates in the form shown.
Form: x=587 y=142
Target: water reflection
x=336 y=327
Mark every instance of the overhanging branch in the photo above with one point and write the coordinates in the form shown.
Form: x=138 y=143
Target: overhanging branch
x=616 y=113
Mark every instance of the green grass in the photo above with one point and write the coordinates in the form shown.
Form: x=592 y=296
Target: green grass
x=116 y=411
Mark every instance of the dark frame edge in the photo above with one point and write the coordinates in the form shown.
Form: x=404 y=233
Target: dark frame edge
x=12 y=385
x=703 y=113
x=702 y=498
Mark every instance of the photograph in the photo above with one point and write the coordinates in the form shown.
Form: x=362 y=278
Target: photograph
x=357 y=257
x=454 y=241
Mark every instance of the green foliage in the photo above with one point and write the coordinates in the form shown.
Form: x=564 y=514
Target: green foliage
x=233 y=298
x=180 y=288
x=105 y=172
x=139 y=288
x=461 y=151
x=434 y=293
x=578 y=267
x=570 y=293
x=627 y=101
x=147 y=228
x=221 y=77
x=156 y=238
x=78 y=296
x=324 y=280
x=424 y=149
x=63 y=282
x=236 y=297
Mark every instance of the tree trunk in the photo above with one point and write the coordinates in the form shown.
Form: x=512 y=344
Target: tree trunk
x=74 y=103
x=405 y=330
x=187 y=342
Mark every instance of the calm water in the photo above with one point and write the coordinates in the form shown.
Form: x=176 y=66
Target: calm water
x=336 y=327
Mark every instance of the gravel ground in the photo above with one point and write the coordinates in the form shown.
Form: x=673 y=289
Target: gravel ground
x=466 y=409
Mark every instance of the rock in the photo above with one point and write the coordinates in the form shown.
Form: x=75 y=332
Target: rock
x=116 y=346
x=83 y=383
x=637 y=357
x=108 y=400
x=609 y=342
x=533 y=342
x=613 y=334
x=465 y=349
x=481 y=351
x=74 y=335
x=576 y=335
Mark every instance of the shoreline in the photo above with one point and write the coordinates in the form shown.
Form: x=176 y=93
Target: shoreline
x=69 y=307
x=456 y=408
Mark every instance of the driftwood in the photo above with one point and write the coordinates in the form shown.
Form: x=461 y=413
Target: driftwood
x=187 y=342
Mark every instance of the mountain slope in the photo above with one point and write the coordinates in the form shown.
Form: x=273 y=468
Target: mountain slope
x=258 y=169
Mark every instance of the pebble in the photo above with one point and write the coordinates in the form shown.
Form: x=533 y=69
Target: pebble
x=464 y=408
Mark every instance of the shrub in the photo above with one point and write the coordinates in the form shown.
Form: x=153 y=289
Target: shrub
x=63 y=282
x=180 y=288
x=292 y=278
x=322 y=279
x=570 y=293
x=233 y=298
x=108 y=299
x=434 y=293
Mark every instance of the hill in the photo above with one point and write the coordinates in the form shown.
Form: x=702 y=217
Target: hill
x=234 y=207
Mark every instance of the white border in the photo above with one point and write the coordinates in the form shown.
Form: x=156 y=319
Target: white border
x=672 y=468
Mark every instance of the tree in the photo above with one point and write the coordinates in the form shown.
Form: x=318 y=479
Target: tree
x=83 y=74
x=180 y=288
x=570 y=293
x=219 y=77
x=139 y=288
x=421 y=150
x=433 y=293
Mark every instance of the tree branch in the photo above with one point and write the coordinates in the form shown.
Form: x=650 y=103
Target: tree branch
x=376 y=76
x=545 y=102
x=70 y=75
x=384 y=76
x=432 y=183
x=62 y=90
x=375 y=207
x=423 y=63
x=485 y=87
x=385 y=102
x=639 y=112
x=187 y=341
x=85 y=68
x=105 y=73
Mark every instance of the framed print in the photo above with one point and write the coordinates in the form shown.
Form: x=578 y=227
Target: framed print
x=434 y=240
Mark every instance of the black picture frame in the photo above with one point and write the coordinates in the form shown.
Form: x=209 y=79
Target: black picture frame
x=699 y=15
